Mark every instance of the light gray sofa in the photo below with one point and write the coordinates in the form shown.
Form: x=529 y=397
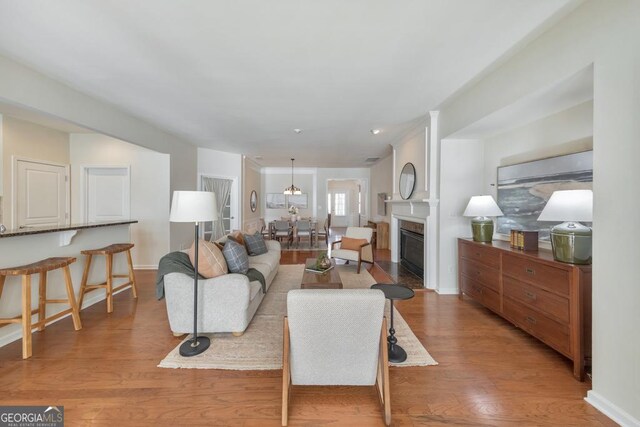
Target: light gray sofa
x=225 y=303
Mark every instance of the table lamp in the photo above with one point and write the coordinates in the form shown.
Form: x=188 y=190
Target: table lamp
x=570 y=241
x=481 y=208
x=194 y=206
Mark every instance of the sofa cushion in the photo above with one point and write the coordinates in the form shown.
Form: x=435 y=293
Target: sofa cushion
x=211 y=262
x=271 y=259
x=255 y=244
x=236 y=256
x=349 y=243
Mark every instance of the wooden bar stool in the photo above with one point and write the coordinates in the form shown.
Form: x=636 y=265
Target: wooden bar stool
x=108 y=251
x=41 y=268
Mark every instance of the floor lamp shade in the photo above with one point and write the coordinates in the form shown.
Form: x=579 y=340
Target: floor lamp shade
x=570 y=241
x=481 y=208
x=194 y=206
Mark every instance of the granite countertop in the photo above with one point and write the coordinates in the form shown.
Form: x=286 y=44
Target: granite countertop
x=55 y=228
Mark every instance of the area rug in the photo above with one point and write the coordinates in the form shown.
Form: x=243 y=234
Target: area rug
x=260 y=347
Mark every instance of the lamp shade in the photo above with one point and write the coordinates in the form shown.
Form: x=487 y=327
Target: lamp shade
x=482 y=206
x=193 y=206
x=569 y=205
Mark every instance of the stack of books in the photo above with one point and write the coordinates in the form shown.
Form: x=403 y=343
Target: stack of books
x=524 y=240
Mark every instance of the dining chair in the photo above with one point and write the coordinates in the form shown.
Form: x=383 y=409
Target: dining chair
x=283 y=230
x=304 y=230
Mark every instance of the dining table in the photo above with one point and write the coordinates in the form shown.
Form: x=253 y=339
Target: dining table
x=314 y=227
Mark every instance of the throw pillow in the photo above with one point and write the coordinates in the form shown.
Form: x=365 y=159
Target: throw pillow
x=211 y=262
x=237 y=236
x=352 y=244
x=236 y=256
x=255 y=244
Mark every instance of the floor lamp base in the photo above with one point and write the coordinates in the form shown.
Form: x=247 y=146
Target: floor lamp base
x=191 y=348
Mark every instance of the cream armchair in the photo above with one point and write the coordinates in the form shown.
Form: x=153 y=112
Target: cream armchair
x=335 y=337
x=350 y=249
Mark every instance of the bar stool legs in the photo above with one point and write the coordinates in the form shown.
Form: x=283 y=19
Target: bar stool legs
x=41 y=268
x=108 y=252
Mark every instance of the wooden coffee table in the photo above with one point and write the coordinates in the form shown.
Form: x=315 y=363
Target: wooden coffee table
x=327 y=280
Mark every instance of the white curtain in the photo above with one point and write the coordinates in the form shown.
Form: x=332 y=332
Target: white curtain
x=222 y=189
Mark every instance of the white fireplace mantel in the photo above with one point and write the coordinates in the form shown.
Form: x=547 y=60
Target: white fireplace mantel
x=422 y=211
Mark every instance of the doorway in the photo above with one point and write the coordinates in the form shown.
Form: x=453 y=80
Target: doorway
x=347 y=202
x=226 y=191
x=41 y=193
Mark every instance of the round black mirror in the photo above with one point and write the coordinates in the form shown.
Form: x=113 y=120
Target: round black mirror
x=407 y=180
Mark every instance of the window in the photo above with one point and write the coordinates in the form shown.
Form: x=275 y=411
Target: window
x=340 y=204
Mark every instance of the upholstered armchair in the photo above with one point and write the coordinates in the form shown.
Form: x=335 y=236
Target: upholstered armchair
x=335 y=337
x=354 y=246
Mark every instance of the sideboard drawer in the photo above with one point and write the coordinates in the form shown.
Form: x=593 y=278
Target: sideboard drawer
x=487 y=276
x=551 y=332
x=491 y=299
x=484 y=255
x=471 y=288
x=534 y=296
x=527 y=270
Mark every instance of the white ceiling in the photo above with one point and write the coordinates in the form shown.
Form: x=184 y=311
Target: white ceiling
x=240 y=75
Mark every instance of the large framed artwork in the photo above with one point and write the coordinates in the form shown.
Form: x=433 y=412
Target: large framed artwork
x=276 y=201
x=297 y=200
x=524 y=188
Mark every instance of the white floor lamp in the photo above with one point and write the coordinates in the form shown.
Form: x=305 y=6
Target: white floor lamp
x=194 y=206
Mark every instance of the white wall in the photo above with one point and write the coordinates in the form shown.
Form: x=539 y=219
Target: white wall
x=461 y=163
x=412 y=150
x=381 y=182
x=23 y=86
x=569 y=131
x=32 y=141
x=150 y=197
x=607 y=35
x=275 y=180
x=251 y=181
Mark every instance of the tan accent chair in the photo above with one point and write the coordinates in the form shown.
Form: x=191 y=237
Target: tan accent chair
x=365 y=252
x=335 y=337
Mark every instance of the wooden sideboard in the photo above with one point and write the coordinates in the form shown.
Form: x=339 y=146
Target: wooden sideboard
x=381 y=233
x=548 y=299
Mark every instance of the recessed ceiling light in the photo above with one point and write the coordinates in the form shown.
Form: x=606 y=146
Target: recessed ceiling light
x=375 y=131
x=297 y=130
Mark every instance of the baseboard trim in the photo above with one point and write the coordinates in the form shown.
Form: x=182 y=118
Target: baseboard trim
x=611 y=410
x=447 y=291
x=145 y=267
x=88 y=301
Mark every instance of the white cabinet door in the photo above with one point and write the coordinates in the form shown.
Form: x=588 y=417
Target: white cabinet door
x=41 y=194
x=107 y=194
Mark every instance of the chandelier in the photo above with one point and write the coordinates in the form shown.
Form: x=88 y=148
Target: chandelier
x=293 y=189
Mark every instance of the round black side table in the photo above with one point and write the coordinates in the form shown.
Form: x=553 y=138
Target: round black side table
x=392 y=293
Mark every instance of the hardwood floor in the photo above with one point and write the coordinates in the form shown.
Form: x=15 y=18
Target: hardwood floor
x=490 y=373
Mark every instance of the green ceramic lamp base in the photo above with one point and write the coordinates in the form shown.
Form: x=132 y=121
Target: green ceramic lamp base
x=482 y=228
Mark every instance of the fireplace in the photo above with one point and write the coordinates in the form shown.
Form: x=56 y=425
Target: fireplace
x=412 y=246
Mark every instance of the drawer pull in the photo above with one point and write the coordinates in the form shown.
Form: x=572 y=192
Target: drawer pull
x=530 y=295
x=531 y=320
x=530 y=271
x=478 y=254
